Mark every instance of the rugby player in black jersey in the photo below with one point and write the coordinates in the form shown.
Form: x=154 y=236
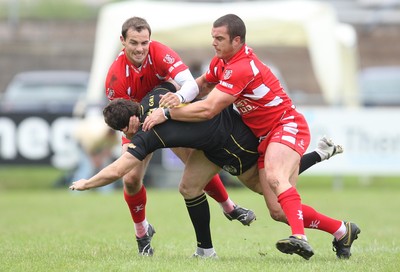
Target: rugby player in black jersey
x=223 y=142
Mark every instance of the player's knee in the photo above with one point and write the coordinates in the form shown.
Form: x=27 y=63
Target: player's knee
x=188 y=191
x=183 y=190
x=278 y=215
x=132 y=183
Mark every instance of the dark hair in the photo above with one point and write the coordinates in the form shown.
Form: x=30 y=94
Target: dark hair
x=136 y=23
x=234 y=25
x=118 y=112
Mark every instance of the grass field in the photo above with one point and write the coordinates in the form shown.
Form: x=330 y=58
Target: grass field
x=58 y=230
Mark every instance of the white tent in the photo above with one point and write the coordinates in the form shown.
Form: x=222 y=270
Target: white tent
x=332 y=46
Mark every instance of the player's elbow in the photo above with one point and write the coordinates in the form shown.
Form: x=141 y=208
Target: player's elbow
x=209 y=114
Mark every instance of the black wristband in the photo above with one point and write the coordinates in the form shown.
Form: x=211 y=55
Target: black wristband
x=182 y=98
x=167 y=114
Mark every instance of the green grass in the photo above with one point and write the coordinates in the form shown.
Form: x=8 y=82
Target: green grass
x=59 y=230
x=28 y=177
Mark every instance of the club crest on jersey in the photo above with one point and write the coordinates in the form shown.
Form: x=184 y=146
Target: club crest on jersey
x=168 y=59
x=110 y=93
x=227 y=74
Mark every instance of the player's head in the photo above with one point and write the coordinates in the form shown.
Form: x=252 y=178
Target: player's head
x=118 y=112
x=234 y=25
x=135 y=37
x=135 y=23
x=229 y=35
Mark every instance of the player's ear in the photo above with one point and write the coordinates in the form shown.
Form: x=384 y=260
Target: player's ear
x=122 y=40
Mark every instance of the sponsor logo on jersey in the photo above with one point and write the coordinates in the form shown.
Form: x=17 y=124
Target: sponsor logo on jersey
x=151 y=101
x=168 y=59
x=244 y=107
x=226 y=84
x=227 y=74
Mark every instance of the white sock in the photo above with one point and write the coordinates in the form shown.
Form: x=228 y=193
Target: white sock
x=340 y=232
x=205 y=252
x=141 y=228
x=227 y=205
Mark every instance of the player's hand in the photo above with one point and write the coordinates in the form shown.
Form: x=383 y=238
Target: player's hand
x=79 y=185
x=133 y=127
x=169 y=100
x=155 y=118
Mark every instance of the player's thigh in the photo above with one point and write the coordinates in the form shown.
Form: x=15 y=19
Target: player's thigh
x=251 y=180
x=197 y=173
x=182 y=152
x=280 y=161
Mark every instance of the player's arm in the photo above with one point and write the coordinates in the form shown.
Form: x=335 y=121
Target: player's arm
x=198 y=111
x=187 y=92
x=109 y=174
x=205 y=87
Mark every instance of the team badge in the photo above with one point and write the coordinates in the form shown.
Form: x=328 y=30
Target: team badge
x=110 y=94
x=227 y=74
x=168 y=59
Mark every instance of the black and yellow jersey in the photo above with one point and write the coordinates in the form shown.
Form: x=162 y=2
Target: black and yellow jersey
x=224 y=139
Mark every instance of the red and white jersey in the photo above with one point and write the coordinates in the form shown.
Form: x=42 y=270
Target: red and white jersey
x=261 y=99
x=124 y=80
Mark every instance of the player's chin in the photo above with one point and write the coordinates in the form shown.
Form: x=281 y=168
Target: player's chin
x=139 y=58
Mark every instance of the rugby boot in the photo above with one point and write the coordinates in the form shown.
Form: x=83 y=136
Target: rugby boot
x=144 y=246
x=326 y=148
x=243 y=215
x=200 y=254
x=297 y=245
x=343 y=245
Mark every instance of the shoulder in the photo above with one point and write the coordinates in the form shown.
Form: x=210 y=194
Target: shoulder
x=157 y=45
x=160 y=51
x=118 y=65
x=238 y=70
x=215 y=61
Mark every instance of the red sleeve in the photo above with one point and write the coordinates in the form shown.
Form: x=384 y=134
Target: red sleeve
x=166 y=61
x=212 y=75
x=235 y=78
x=116 y=82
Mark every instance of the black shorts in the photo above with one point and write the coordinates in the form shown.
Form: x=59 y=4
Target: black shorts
x=239 y=152
x=225 y=140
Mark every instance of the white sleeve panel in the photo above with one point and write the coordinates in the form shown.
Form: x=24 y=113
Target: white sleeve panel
x=189 y=89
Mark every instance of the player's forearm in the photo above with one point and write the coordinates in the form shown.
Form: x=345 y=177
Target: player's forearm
x=106 y=176
x=195 y=112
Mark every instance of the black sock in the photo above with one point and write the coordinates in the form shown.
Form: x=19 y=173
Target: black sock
x=309 y=160
x=199 y=213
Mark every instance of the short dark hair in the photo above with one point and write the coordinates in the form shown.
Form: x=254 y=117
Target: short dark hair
x=118 y=112
x=136 y=23
x=234 y=25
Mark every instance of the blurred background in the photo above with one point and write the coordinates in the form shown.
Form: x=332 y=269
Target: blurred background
x=339 y=61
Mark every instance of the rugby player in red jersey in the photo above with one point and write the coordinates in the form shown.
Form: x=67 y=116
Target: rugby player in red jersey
x=236 y=76
x=139 y=67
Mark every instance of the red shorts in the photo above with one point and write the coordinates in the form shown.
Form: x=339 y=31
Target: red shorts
x=292 y=130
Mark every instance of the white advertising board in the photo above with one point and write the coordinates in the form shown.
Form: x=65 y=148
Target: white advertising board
x=370 y=136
